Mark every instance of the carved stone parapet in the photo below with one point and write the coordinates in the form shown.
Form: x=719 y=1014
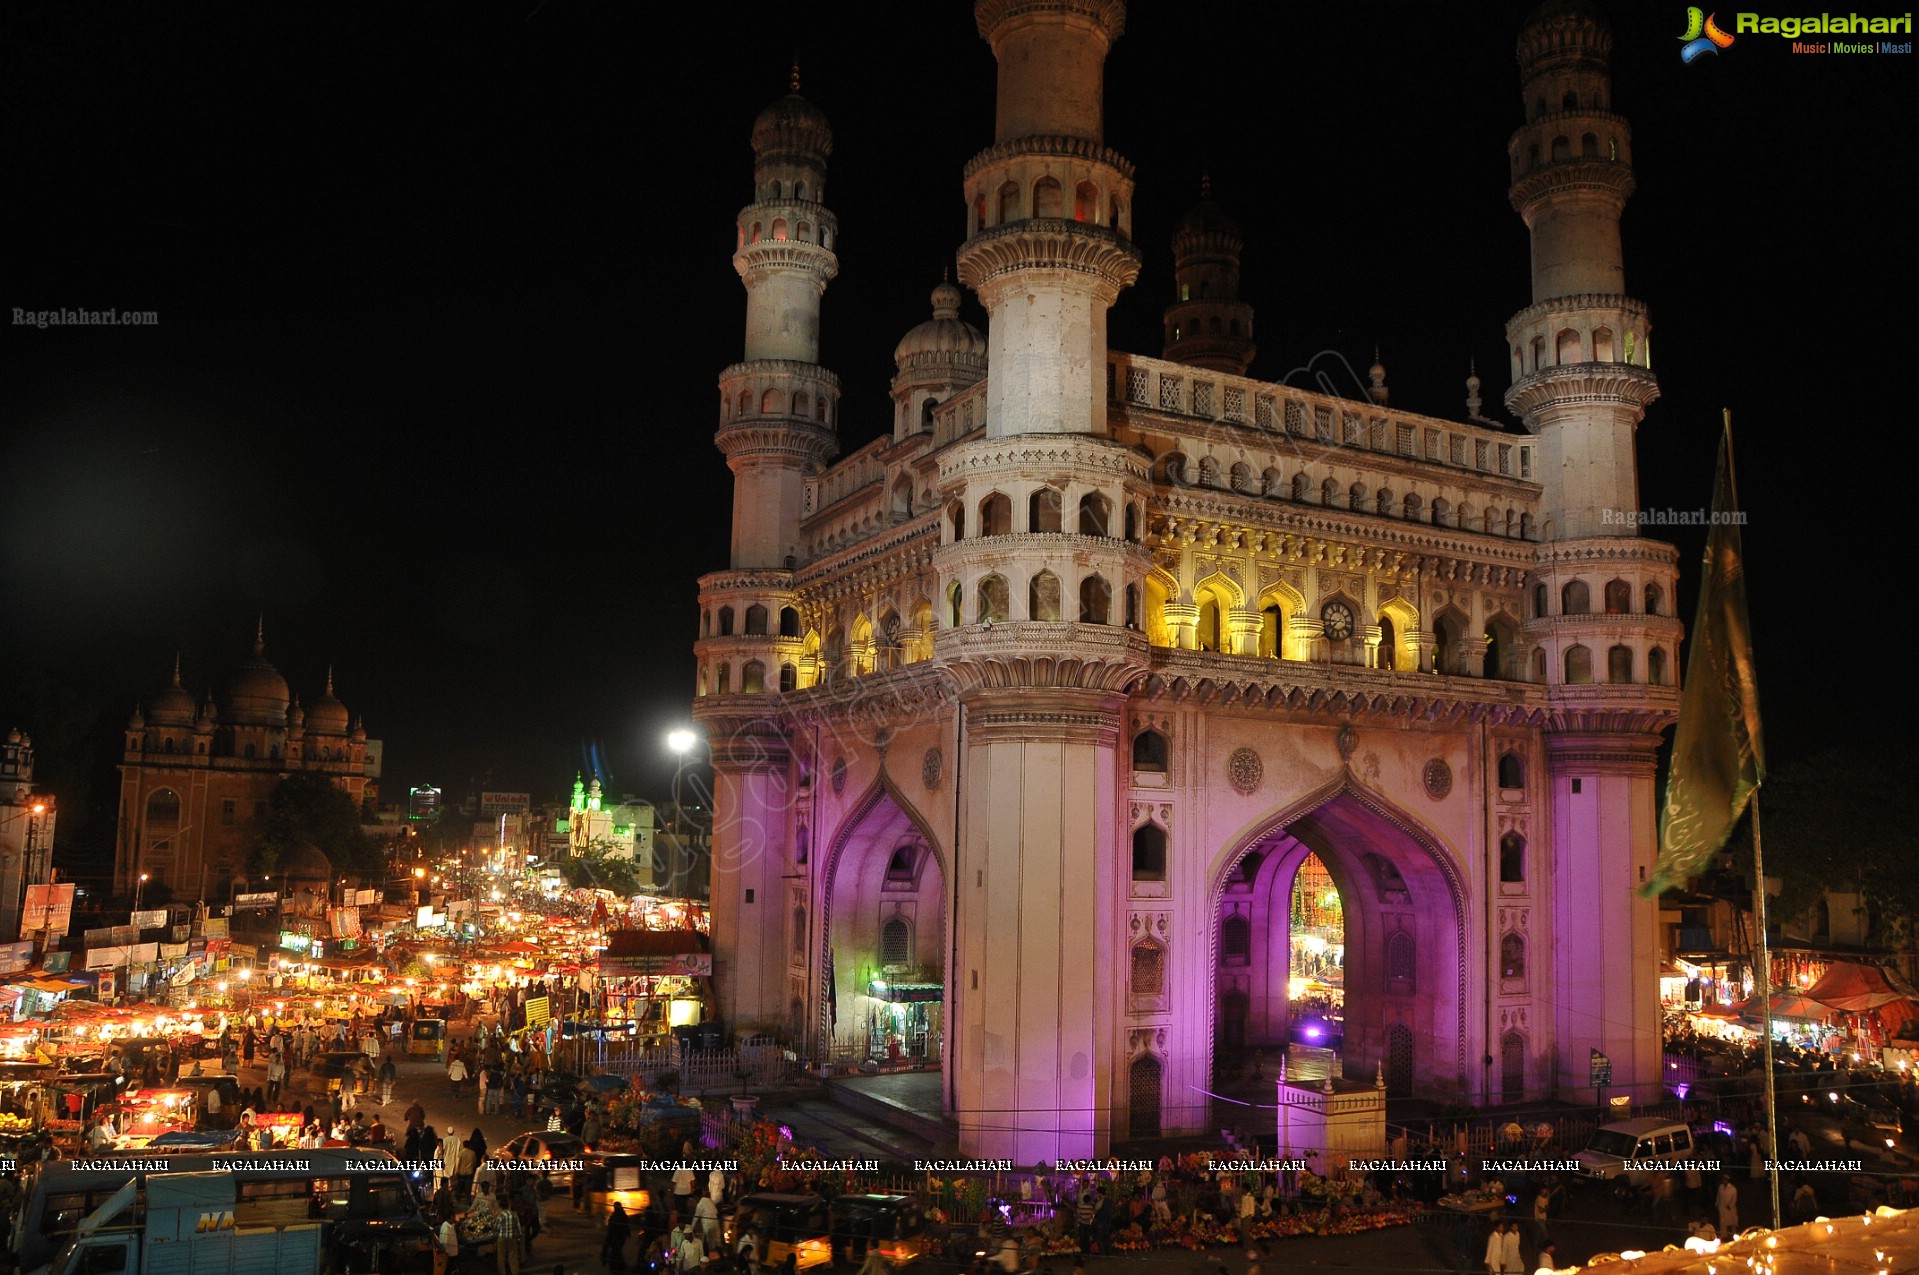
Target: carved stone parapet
x=753 y=579
x=1602 y=551
x=1581 y=383
x=1576 y=303
x=1107 y=262
x=1067 y=455
x=1042 y=655
x=1109 y=14
x=1605 y=752
x=1086 y=717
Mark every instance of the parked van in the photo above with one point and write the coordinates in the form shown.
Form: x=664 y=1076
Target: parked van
x=1644 y=1143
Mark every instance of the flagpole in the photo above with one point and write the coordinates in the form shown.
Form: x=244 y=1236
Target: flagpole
x=1764 y=945
x=1765 y=1013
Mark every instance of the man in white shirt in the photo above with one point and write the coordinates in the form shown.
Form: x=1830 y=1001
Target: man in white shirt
x=1502 y=1250
x=706 y=1216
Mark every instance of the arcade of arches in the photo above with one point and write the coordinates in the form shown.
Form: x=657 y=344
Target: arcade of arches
x=883 y=933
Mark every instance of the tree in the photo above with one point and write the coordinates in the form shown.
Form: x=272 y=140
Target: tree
x=309 y=810
x=598 y=867
x=1839 y=820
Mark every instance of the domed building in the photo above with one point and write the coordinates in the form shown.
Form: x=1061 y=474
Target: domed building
x=197 y=772
x=1123 y=712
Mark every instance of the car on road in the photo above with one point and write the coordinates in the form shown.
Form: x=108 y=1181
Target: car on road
x=556 y=1157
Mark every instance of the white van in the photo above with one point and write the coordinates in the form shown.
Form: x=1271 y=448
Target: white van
x=1644 y=1143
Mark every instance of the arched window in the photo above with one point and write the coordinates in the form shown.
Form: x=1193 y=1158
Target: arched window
x=1570 y=102
x=1132 y=525
x=1512 y=854
x=1208 y=472
x=1240 y=478
x=1095 y=515
x=1383 y=503
x=802 y=403
x=789 y=678
x=1132 y=606
x=1525 y=525
x=1388 y=643
x=1235 y=941
x=992 y=600
x=789 y=622
x=1208 y=635
x=1539 y=602
x=1302 y=488
x=753 y=678
x=1539 y=353
x=1568 y=349
x=1149 y=970
x=1149 y=853
x=1446 y=653
x=166 y=745
x=1512 y=770
x=1357 y=497
x=1048 y=199
x=995 y=515
x=903 y=863
x=1575 y=598
x=1656 y=666
x=1402 y=960
x=1539 y=665
x=1329 y=493
x=1602 y=345
x=1512 y=957
x=1042 y=597
x=726 y=621
x=1589 y=146
x=1043 y=510
x=902 y=497
x=1579 y=666
x=957 y=515
x=953 y=598
x=1008 y=203
x=725 y=686
x=1441 y=510
x=746 y=402
x=756 y=620
x=1144 y=1081
x=772 y=403
x=251 y=752
x=926 y=413
x=1272 y=631
x=1562 y=150
x=1095 y=600
x=1493 y=662
x=896 y=942
x=163 y=809
x=1618 y=597
x=1655 y=600
x=1149 y=751
x=1086 y=202
x=799 y=932
x=1619 y=664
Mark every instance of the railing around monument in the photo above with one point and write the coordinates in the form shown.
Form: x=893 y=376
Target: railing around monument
x=756 y=1060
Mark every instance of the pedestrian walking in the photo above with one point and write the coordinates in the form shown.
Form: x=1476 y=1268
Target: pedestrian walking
x=509 y=1238
x=1728 y=1204
x=456 y=1072
x=618 y=1229
x=389 y=1076
x=276 y=1076
x=1502 y=1250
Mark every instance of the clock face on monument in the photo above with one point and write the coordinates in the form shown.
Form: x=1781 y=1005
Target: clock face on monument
x=1337 y=620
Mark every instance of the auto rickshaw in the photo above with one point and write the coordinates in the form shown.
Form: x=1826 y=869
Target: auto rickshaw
x=427 y=1038
x=894 y=1224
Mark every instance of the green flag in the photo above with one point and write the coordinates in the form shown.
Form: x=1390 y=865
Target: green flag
x=1718 y=759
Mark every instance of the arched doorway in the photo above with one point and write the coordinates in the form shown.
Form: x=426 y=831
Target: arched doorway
x=1145 y=1079
x=1356 y=921
x=883 y=937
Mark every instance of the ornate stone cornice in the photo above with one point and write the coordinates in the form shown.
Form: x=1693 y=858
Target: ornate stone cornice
x=1303 y=529
x=1570 y=748
x=1076 y=247
x=803 y=443
x=760 y=579
x=1109 y=14
x=1071 y=147
x=1060 y=452
x=1608 y=179
x=1347 y=691
x=1627 y=709
x=1042 y=655
x=1574 y=303
x=912 y=543
x=1618 y=384
x=795 y=209
x=777 y=369
x=744 y=733
x=785 y=256
x=1599 y=551
x=1559 y=122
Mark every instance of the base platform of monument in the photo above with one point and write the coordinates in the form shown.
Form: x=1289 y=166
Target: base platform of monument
x=905 y=1100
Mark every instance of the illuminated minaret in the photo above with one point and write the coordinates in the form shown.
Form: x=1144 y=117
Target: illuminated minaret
x=1600 y=620
x=778 y=415
x=1208 y=325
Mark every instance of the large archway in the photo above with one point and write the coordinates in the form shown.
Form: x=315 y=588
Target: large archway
x=883 y=942
x=1383 y=934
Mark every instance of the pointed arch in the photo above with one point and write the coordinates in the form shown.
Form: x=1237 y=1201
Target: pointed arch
x=1404 y=617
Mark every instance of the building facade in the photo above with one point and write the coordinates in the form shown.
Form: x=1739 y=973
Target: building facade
x=27 y=821
x=1029 y=721
x=196 y=774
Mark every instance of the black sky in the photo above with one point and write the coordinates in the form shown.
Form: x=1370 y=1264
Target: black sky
x=443 y=289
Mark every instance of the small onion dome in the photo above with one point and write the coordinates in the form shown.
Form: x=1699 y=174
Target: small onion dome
x=943 y=334
x=296 y=716
x=255 y=693
x=359 y=731
x=792 y=129
x=328 y=716
x=137 y=722
x=173 y=706
x=1206 y=218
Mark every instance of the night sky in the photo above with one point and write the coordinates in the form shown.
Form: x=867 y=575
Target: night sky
x=443 y=290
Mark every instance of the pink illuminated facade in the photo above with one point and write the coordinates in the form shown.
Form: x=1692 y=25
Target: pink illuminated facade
x=1026 y=719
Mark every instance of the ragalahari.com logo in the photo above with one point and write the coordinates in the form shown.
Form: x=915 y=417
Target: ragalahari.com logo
x=1702 y=36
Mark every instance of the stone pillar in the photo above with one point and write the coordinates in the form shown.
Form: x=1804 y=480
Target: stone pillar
x=752 y=800
x=1038 y=856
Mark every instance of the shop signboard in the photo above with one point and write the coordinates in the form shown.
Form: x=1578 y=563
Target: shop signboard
x=150 y=919
x=48 y=907
x=250 y=902
x=683 y=964
x=15 y=956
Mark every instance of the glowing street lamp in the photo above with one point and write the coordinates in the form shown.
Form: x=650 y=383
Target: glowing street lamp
x=139 y=890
